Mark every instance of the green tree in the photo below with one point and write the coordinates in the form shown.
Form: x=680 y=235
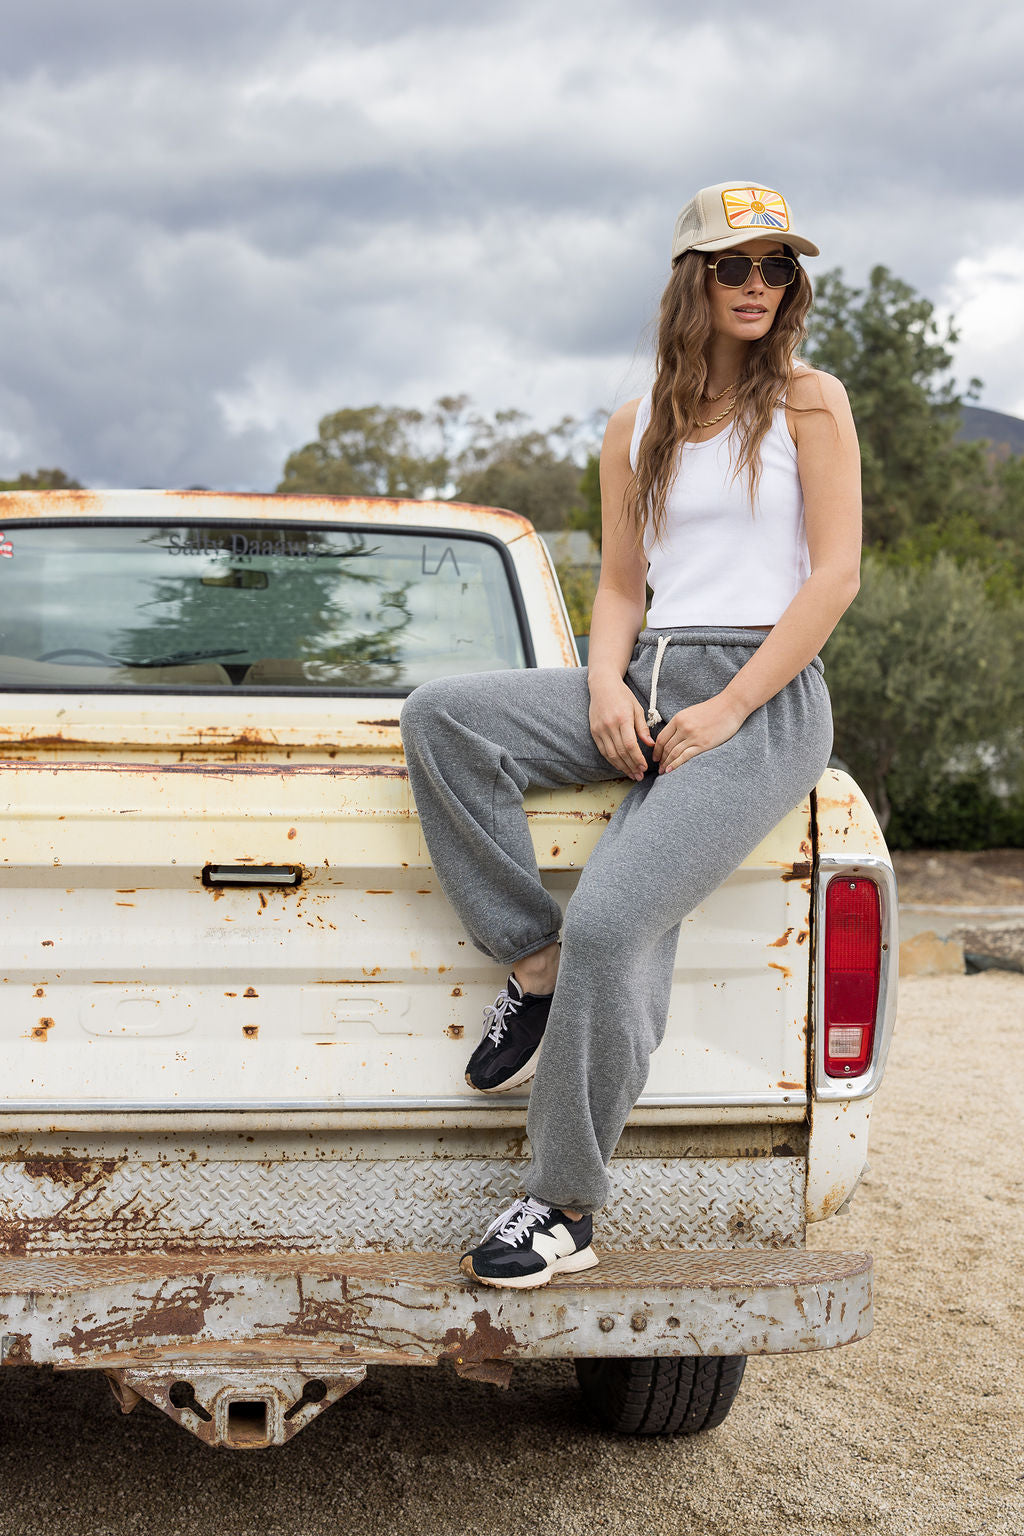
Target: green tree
x=372 y=451
x=579 y=588
x=894 y=357
x=42 y=480
x=923 y=670
x=587 y=516
x=509 y=465
x=449 y=451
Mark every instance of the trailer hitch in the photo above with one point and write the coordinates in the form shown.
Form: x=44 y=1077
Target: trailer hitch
x=241 y=1408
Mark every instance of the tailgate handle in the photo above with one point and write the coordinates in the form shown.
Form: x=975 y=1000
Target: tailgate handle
x=252 y=874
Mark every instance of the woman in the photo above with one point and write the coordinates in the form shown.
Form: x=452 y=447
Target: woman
x=733 y=488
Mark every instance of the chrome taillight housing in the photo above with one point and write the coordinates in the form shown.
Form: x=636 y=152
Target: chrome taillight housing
x=854 y=976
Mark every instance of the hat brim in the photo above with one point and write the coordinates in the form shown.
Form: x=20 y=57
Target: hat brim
x=741 y=236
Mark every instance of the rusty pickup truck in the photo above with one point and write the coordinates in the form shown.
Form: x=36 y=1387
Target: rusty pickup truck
x=237 y=1151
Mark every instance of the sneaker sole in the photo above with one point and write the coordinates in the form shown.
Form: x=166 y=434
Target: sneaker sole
x=526 y=1071
x=585 y=1258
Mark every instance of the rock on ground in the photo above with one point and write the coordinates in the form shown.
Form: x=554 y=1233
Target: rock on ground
x=1001 y=944
x=927 y=954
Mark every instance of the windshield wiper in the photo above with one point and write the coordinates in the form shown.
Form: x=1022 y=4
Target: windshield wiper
x=177 y=658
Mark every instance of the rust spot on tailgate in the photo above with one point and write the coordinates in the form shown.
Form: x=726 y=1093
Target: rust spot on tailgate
x=13 y=1237
x=208 y=770
x=250 y=992
x=833 y=1199
x=741 y=1226
x=17 y=1349
x=381 y=723
x=69 y=1170
x=478 y=1353
x=42 y=1029
x=799 y=871
x=180 y=1315
x=781 y=940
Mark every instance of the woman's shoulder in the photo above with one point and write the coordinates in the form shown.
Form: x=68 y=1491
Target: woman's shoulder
x=818 y=398
x=622 y=420
x=622 y=424
x=813 y=386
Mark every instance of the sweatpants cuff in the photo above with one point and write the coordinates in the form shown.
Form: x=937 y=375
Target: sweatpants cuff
x=532 y=949
x=570 y=1205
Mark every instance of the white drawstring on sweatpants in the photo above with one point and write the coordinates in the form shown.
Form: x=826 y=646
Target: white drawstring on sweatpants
x=653 y=718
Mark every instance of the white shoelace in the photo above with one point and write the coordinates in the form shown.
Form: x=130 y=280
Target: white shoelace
x=512 y=1225
x=495 y=1022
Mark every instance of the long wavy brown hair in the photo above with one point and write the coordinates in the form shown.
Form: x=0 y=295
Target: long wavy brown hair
x=684 y=336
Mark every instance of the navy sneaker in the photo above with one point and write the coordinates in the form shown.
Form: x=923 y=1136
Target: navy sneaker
x=528 y=1244
x=510 y=1043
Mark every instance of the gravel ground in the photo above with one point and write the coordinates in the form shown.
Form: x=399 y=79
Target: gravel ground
x=917 y=1429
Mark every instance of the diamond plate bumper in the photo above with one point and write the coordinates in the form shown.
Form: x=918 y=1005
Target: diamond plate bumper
x=49 y=1206
x=117 y=1312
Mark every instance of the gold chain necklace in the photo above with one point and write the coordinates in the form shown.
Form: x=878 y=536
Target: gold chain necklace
x=722 y=414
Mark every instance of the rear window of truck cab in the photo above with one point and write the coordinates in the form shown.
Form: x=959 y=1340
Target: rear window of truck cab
x=276 y=608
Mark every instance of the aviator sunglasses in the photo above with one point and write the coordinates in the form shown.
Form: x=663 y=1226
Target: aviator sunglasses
x=733 y=271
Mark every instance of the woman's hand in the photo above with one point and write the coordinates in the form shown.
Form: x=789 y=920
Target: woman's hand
x=617 y=719
x=695 y=730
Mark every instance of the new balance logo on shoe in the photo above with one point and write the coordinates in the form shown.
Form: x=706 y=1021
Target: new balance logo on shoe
x=528 y=1244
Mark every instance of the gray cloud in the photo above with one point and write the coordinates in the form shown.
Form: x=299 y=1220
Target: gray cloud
x=222 y=222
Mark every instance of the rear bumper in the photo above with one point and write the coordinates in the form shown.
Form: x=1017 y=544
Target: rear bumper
x=112 y=1312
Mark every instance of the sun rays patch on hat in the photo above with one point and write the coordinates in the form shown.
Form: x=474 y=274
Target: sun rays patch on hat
x=732 y=212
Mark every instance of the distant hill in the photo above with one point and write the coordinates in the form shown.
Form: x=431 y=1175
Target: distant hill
x=1005 y=433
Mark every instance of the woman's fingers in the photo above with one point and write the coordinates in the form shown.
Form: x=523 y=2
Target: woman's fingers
x=673 y=748
x=700 y=728
x=630 y=750
x=616 y=741
x=617 y=750
x=667 y=737
x=618 y=725
x=675 y=759
x=640 y=724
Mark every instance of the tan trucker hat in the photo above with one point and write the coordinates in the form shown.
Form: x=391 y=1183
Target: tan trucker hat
x=730 y=213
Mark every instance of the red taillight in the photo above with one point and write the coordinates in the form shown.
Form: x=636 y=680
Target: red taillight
x=853 y=936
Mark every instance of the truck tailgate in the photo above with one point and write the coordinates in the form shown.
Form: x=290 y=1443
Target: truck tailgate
x=129 y=979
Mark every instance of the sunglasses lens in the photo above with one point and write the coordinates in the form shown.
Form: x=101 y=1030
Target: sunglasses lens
x=778 y=271
x=733 y=271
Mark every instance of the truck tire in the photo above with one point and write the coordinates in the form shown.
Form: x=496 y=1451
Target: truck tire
x=665 y=1396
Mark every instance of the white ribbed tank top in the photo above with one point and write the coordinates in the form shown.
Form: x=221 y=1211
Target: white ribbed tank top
x=717 y=563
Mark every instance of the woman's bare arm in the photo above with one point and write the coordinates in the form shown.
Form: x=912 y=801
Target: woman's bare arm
x=616 y=717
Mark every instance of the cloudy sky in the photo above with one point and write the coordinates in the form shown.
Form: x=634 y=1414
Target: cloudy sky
x=224 y=218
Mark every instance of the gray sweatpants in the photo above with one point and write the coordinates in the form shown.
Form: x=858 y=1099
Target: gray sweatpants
x=474 y=744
